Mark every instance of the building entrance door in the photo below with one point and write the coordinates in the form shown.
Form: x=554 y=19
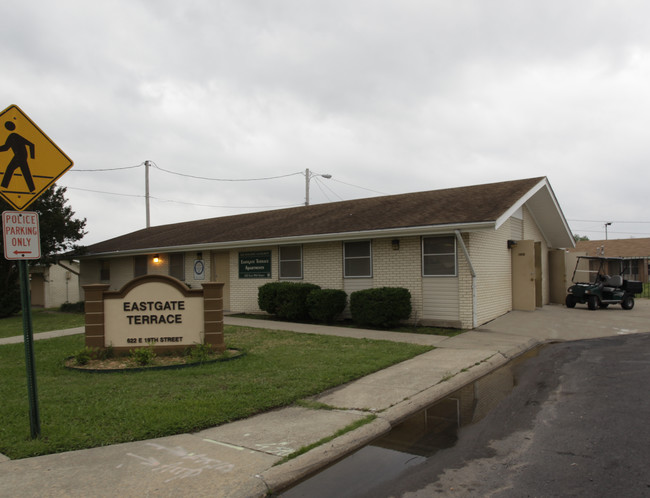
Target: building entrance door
x=525 y=275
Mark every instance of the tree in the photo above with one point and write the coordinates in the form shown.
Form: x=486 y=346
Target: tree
x=578 y=237
x=59 y=233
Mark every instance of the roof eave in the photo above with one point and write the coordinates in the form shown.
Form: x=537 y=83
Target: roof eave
x=299 y=239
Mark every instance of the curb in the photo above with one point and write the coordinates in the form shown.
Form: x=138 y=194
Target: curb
x=287 y=474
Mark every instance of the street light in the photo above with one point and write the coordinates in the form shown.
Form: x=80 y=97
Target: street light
x=308 y=177
x=606 y=225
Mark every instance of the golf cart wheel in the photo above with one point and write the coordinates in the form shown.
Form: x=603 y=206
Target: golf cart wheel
x=593 y=302
x=570 y=301
x=627 y=303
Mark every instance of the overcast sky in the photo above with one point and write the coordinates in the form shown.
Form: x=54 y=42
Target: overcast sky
x=386 y=96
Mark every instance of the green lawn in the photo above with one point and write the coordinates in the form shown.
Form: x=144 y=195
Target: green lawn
x=42 y=321
x=82 y=410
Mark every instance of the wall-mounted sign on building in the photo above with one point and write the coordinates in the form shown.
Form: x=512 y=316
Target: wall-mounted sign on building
x=154 y=310
x=255 y=264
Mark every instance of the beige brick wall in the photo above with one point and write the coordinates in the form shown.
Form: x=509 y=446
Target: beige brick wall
x=399 y=268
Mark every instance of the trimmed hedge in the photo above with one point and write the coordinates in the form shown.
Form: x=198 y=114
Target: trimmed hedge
x=325 y=305
x=380 y=307
x=286 y=300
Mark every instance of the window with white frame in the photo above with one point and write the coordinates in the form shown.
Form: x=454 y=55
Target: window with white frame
x=290 y=262
x=357 y=259
x=439 y=256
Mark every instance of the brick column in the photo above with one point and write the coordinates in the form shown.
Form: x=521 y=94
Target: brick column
x=94 y=310
x=213 y=315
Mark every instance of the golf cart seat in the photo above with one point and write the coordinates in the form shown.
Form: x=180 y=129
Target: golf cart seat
x=613 y=282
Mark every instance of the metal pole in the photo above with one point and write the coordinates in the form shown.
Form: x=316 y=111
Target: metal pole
x=146 y=192
x=307 y=176
x=34 y=417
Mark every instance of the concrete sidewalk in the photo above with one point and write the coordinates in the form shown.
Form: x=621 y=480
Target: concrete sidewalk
x=237 y=459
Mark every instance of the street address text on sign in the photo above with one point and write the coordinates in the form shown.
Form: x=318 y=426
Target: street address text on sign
x=21 y=235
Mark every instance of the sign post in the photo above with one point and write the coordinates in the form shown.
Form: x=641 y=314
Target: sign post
x=21 y=240
x=30 y=163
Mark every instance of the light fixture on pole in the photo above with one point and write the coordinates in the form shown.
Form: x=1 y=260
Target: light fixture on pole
x=308 y=176
x=606 y=225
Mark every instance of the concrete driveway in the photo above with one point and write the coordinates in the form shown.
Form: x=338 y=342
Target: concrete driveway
x=556 y=322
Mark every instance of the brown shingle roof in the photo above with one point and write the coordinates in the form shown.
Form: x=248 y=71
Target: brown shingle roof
x=474 y=204
x=621 y=248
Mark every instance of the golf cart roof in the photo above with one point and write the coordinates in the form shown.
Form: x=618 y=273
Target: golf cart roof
x=604 y=258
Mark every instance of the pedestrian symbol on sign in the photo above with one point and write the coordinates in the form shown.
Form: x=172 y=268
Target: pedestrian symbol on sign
x=18 y=146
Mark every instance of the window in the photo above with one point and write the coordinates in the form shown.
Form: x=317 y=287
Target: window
x=177 y=266
x=139 y=265
x=357 y=259
x=104 y=271
x=438 y=256
x=291 y=262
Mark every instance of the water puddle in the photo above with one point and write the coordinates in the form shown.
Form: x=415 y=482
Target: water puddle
x=414 y=440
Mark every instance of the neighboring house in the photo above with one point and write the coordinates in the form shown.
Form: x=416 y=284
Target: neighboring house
x=55 y=284
x=467 y=255
x=635 y=251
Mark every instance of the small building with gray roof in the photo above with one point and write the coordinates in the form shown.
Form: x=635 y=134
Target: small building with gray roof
x=467 y=255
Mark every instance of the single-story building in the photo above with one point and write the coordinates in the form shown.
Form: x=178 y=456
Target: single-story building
x=635 y=251
x=467 y=255
x=54 y=284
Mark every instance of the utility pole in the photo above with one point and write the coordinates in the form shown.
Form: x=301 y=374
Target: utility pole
x=606 y=225
x=146 y=192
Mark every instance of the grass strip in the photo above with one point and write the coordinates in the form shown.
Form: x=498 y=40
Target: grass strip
x=42 y=321
x=325 y=440
x=82 y=410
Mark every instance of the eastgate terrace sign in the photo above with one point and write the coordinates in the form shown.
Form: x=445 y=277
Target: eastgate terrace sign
x=154 y=310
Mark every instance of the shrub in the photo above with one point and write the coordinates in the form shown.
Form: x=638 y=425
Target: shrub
x=72 y=307
x=142 y=356
x=267 y=296
x=286 y=300
x=324 y=305
x=380 y=307
x=292 y=300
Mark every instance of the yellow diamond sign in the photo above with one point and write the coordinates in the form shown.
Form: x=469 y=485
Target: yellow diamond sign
x=30 y=162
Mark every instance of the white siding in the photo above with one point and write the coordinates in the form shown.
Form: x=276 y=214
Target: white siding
x=440 y=299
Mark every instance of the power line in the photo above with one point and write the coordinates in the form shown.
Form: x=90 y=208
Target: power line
x=106 y=169
x=160 y=199
x=223 y=179
x=612 y=221
x=357 y=186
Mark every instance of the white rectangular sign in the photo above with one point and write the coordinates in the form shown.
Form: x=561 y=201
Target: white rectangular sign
x=21 y=235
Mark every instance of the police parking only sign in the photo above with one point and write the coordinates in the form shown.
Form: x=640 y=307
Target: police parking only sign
x=20 y=235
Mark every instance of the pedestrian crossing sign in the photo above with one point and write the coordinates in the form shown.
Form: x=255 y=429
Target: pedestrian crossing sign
x=30 y=162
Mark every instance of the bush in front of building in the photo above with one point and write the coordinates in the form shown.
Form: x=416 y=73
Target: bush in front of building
x=267 y=297
x=72 y=307
x=380 y=307
x=325 y=305
x=286 y=300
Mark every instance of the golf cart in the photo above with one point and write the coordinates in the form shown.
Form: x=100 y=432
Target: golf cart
x=593 y=285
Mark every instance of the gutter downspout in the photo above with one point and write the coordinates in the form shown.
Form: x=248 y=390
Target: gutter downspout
x=459 y=238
